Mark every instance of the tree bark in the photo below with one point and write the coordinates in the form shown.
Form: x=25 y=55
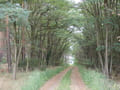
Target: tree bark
x=106 y=54
x=99 y=54
x=106 y=40
x=8 y=46
x=2 y=44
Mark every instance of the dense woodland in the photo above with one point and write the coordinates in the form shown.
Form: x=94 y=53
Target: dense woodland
x=99 y=44
x=34 y=33
x=39 y=33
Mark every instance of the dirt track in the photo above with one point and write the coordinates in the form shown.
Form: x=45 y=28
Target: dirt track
x=53 y=83
x=76 y=81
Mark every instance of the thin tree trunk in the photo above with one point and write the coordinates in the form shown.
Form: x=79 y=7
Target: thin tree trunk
x=23 y=44
x=106 y=41
x=24 y=5
x=99 y=54
x=17 y=57
x=111 y=65
x=111 y=56
x=27 y=66
x=1 y=45
x=8 y=46
x=106 y=54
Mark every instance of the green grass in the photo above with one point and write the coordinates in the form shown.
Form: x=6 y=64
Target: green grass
x=65 y=82
x=96 y=81
x=38 y=78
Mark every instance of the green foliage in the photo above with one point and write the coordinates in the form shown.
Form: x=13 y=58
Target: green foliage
x=38 y=78
x=3 y=61
x=15 y=13
x=116 y=47
x=100 y=48
x=32 y=63
x=49 y=34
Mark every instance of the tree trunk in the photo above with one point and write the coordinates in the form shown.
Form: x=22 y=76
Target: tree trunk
x=17 y=57
x=99 y=54
x=106 y=40
x=23 y=44
x=14 y=71
x=111 y=57
x=106 y=54
x=8 y=46
x=2 y=44
x=27 y=66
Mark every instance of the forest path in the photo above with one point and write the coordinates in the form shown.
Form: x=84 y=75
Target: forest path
x=53 y=83
x=76 y=80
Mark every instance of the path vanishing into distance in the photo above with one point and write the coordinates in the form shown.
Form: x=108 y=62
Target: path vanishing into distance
x=76 y=81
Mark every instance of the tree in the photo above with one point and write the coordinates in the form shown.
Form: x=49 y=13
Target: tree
x=15 y=14
x=99 y=34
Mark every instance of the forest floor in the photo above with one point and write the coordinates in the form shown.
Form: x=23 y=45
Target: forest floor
x=73 y=80
x=7 y=83
x=76 y=81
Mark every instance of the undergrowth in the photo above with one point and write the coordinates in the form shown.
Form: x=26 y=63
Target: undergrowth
x=38 y=78
x=96 y=81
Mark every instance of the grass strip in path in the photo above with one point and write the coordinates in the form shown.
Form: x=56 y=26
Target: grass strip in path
x=38 y=78
x=65 y=82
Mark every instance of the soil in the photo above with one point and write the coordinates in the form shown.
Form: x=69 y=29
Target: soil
x=53 y=83
x=76 y=80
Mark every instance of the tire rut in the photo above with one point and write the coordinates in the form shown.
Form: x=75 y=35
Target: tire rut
x=76 y=80
x=53 y=83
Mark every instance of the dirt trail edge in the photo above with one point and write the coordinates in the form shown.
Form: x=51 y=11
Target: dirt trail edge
x=76 y=81
x=53 y=83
